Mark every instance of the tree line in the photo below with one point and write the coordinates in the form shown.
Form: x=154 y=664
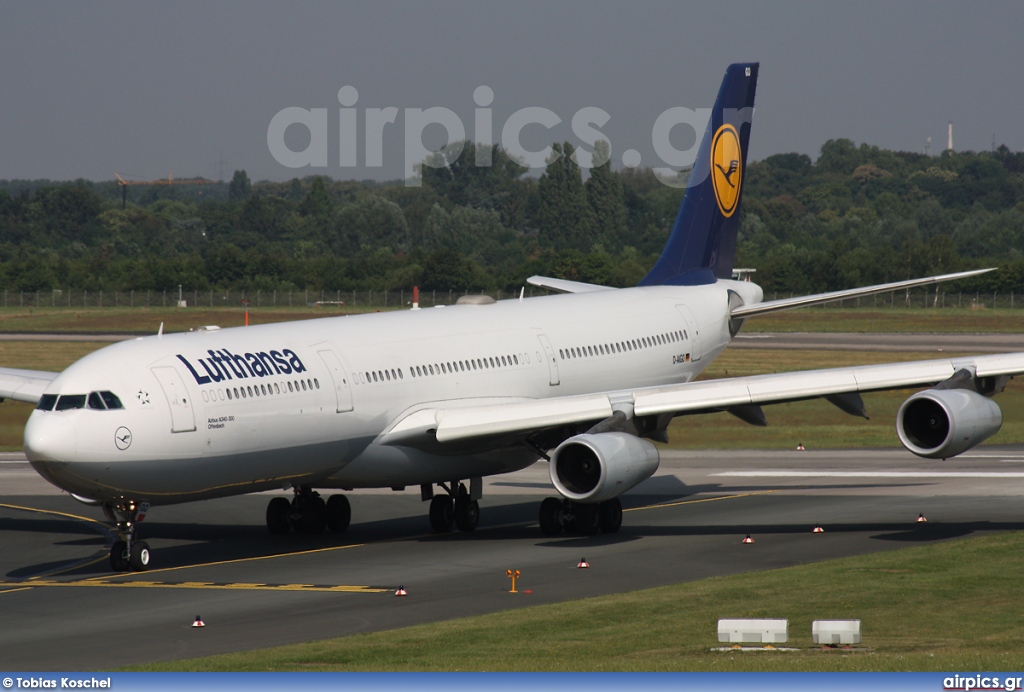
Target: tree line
x=855 y=215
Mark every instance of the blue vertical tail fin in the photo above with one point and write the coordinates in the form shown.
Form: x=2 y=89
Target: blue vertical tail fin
x=702 y=245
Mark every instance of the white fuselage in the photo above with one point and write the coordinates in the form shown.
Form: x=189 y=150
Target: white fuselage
x=220 y=412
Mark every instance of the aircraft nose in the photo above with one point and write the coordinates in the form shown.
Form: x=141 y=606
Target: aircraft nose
x=49 y=437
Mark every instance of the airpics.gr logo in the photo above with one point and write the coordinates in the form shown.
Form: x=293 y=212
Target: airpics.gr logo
x=726 y=169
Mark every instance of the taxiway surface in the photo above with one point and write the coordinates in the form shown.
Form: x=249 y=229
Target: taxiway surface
x=62 y=609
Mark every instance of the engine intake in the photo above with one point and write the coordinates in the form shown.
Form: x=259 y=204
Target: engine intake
x=941 y=423
x=597 y=467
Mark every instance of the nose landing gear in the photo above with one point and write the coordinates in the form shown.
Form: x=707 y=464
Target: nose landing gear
x=127 y=553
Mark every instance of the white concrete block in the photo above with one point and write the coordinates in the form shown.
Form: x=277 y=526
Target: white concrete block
x=836 y=631
x=759 y=631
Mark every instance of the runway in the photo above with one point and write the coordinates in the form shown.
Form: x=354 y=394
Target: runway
x=62 y=609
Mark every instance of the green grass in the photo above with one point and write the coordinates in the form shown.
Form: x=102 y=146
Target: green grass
x=948 y=606
x=891 y=320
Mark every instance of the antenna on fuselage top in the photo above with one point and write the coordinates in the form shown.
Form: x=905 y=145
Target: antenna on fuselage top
x=521 y=292
x=160 y=332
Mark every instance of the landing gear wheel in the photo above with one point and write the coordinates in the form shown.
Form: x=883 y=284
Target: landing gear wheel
x=119 y=556
x=610 y=515
x=277 y=516
x=551 y=516
x=587 y=520
x=127 y=552
x=442 y=513
x=467 y=513
x=139 y=558
x=339 y=513
x=311 y=517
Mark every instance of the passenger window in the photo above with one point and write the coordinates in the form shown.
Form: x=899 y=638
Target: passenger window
x=387 y=375
x=46 y=402
x=229 y=395
x=277 y=390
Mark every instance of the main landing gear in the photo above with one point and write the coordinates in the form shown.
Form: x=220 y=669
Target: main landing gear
x=128 y=553
x=558 y=514
x=308 y=513
x=457 y=506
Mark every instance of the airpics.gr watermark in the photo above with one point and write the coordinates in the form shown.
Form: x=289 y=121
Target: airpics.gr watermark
x=585 y=127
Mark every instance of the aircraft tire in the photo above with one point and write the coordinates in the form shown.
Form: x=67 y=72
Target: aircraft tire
x=587 y=520
x=442 y=513
x=139 y=559
x=118 y=559
x=467 y=513
x=277 y=516
x=609 y=515
x=313 y=516
x=551 y=516
x=339 y=513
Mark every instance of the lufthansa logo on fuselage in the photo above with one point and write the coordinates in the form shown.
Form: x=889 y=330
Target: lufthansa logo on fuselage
x=726 y=168
x=223 y=365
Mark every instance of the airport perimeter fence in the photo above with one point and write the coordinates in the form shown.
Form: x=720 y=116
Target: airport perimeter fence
x=382 y=300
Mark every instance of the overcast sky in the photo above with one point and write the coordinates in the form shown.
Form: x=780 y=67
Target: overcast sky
x=144 y=88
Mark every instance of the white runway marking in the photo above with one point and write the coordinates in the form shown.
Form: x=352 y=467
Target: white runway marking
x=872 y=474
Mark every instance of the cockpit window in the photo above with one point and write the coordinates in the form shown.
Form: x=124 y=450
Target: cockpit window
x=111 y=400
x=70 y=401
x=96 y=401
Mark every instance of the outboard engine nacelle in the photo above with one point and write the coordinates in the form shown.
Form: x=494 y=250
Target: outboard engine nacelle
x=941 y=423
x=593 y=468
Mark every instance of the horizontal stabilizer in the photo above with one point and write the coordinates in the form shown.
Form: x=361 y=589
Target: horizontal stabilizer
x=819 y=298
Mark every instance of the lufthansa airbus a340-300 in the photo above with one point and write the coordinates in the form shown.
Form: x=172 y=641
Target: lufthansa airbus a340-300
x=440 y=398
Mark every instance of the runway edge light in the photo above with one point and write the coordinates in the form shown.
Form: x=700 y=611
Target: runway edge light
x=199 y=622
x=401 y=591
x=748 y=539
x=921 y=519
x=583 y=563
x=818 y=529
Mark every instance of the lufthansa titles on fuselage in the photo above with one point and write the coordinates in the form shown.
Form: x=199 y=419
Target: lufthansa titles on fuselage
x=223 y=365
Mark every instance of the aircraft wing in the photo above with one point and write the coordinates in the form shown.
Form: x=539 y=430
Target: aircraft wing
x=24 y=385
x=819 y=298
x=464 y=421
x=565 y=286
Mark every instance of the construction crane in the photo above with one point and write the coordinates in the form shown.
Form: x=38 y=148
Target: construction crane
x=162 y=181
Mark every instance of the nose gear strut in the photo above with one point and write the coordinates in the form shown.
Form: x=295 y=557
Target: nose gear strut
x=127 y=553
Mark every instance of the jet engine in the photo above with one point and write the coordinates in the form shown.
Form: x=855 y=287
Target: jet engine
x=941 y=423
x=593 y=468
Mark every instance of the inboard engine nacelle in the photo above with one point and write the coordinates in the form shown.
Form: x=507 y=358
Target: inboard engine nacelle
x=597 y=467
x=941 y=423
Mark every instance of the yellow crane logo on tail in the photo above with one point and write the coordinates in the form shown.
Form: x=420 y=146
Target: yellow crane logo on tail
x=726 y=169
